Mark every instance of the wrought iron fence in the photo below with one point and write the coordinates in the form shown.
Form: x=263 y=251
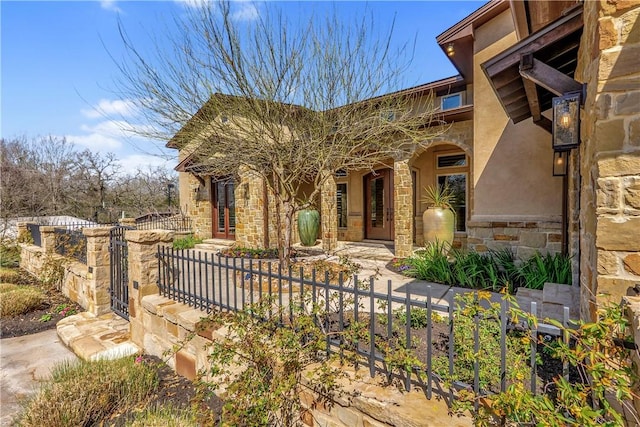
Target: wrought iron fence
x=34 y=230
x=438 y=329
x=174 y=223
x=71 y=242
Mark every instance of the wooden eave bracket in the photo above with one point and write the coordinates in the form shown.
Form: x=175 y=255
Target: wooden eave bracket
x=548 y=77
x=535 y=72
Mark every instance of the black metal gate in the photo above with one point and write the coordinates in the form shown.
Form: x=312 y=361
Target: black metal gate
x=119 y=271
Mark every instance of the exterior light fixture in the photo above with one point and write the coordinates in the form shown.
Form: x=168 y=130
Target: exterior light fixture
x=560 y=163
x=450 y=50
x=566 y=121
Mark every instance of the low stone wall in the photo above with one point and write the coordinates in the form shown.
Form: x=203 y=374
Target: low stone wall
x=525 y=238
x=86 y=285
x=362 y=401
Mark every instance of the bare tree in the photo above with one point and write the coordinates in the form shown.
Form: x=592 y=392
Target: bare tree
x=289 y=103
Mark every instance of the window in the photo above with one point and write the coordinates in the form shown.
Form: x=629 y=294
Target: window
x=458 y=185
x=452 y=160
x=341 y=194
x=451 y=101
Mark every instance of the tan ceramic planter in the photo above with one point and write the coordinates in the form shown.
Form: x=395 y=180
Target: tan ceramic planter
x=438 y=225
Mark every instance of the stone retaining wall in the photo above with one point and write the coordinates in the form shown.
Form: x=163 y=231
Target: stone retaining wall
x=362 y=401
x=86 y=285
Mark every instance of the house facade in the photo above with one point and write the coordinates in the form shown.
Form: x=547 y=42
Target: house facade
x=513 y=57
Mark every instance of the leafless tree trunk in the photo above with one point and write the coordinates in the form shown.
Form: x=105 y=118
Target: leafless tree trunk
x=290 y=102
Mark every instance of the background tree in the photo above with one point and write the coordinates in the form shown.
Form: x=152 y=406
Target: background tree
x=47 y=176
x=289 y=102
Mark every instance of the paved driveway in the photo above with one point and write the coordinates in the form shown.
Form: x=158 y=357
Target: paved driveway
x=25 y=362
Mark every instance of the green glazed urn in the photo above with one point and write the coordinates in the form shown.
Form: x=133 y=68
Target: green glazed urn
x=308 y=226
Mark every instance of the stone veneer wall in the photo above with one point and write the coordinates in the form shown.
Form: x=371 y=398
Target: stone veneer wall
x=364 y=401
x=609 y=63
x=250 y=203
x=88 y=285
x=198 y=206
x=525 y=238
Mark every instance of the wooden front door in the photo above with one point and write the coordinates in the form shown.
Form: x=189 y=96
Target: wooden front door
x=378 y=195
x=223 y=221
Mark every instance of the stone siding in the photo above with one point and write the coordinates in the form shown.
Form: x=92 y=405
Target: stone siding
x=87 y=285
x=609 y=64
x=198 y=205
x=524 y=238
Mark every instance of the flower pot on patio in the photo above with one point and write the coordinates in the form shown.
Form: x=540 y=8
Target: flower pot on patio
x=438 y=226
x=308 y=226
x=438 y=221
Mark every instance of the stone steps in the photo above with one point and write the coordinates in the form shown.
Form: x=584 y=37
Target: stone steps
x=215 y=245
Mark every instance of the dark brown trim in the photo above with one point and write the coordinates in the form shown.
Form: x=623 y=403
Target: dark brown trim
x=547 y=36
x=548 y=77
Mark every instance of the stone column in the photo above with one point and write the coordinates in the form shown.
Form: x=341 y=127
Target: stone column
x=48 y=238
x=142 y=246
x=98 y=266
x=329 y=213
x=402 y=208
x=609 y=153
x=128 y=222
x=250 y=211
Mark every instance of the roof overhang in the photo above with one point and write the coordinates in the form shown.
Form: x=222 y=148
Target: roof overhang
x=526 y=76
x=461 y=36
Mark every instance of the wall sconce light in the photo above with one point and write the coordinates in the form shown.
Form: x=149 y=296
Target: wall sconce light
x=566 y=121
x=560 y=163
x=450 y=50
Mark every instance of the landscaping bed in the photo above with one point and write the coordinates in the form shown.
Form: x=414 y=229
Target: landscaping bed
x=41 y=317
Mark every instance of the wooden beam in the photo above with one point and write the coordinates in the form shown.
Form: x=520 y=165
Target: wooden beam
x=532 y=99
x=544 y=123
x=548 y=77
x=540 y=40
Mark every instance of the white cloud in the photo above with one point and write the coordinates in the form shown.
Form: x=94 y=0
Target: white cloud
x=133 y=162
x=192 y=3
x=245 y=12
x=96 y=142
x=110 y=5
x=106 y=107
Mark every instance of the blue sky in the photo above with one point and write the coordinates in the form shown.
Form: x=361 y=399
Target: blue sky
x=56 y=72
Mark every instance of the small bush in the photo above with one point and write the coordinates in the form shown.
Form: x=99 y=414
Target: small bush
x=86 y=393
x=20 y=301
x=188 y=242
x=10 y=275
x=250 y=253
x=9 y=255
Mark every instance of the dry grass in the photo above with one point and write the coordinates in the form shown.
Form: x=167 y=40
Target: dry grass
x=10 y=275
x=6 y=287
x=87 y=393
x=165 y=417
x=20 y=300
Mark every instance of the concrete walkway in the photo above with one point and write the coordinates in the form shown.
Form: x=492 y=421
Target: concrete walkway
x=24 y=363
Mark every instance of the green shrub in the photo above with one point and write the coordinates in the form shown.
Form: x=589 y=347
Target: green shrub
x=20 y=301
x=9 y=255
x=85 y=393
x=188 y=242
x=493 y=271
x=239 y=252
x=10 y=275
x=539 y=269
x=488 y=356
